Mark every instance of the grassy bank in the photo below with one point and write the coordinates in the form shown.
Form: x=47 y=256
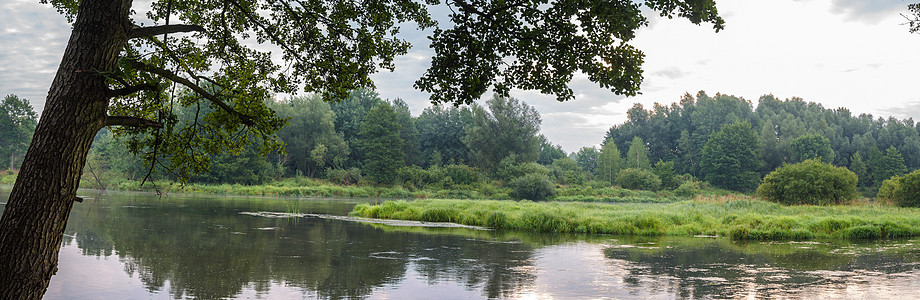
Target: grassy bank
x=735 y=217
x=310 y=187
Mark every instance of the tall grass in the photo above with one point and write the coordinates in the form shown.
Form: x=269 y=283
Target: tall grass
x=736 y=217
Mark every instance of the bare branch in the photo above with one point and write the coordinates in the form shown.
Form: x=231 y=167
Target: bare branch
x=163 y=29
x=128 y=90
x=246 y=120
x=131 y=122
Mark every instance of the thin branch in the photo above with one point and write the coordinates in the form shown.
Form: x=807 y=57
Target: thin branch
x=131 y=122
x=246 y=120
x=139 y=32
x=128 y=90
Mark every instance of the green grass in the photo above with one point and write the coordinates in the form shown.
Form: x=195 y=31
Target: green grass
x=737 y=218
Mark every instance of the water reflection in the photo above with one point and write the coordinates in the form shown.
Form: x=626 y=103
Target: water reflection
x=128 y=246
x=718 y=268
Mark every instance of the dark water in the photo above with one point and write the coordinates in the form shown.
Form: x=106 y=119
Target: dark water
x=133 y=246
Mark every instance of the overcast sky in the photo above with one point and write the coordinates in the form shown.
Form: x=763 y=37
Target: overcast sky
x=840 y=53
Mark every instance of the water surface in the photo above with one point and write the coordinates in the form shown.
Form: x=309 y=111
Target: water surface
x=139 y=246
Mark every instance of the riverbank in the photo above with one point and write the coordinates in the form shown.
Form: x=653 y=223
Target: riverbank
x=311 y=187
x=737 y=217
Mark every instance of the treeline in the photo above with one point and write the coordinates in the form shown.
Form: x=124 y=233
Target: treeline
x=727 y=142
x=720 y=140
x=367 y=139
x=17 y=123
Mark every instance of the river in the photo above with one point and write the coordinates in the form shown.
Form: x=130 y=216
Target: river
x=140 y=246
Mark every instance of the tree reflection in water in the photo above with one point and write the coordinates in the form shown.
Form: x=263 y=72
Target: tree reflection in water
x=205 y=248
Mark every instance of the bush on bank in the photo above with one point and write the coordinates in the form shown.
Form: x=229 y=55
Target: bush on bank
x=809 y=182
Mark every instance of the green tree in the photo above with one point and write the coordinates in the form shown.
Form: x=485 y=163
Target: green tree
x=442 y=129
x=637 y=157
x=859 y=168
x=509 y=127
x=586 y=157
x=665 y=172
x=381 y=145
x=812 y=146
x=350 y=114
x=311 y=142
x=117 y=73
x=892 y=164
x=408 y=132
x=549 y=152
x=731 y=158
x=609 y=161
x=17 y=123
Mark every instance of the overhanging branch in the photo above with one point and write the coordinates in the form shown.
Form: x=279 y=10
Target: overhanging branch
x=128 y=90
x=131 y=122
x=246 y=120
x=163 y=29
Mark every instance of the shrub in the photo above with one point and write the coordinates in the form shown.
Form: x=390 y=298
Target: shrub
x=344 y=177
x=904 y=190
x=532 y=187
x=462 y=174
x=888 y=188
x=688 y=189
x=638 y=179
x=809 y=182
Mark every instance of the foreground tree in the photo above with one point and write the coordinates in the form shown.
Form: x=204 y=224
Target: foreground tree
x=809 y=182
x=115 y=73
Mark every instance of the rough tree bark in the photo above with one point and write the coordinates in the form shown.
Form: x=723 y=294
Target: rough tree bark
x=33 y=223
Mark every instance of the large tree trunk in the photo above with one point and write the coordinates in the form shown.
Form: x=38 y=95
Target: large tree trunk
x=36 y=214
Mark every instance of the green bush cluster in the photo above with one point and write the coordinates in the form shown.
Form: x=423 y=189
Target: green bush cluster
x=344 y=177
x=903 y=190
x=638 y=179
x=532 y=187
x=809 y=182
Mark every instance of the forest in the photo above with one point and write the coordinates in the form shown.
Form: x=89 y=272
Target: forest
x=496 y=150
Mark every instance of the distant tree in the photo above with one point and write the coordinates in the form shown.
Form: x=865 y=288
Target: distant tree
x=311 y=142
x=442 y=129
x=350 y=114
x=637 y=157
x=549 y=153
x=892 y=164
x=609 y=161
x=510 y=126
x=17 y=122
x=665 y=172
x=586 y=157
x=859 y=168
x=731 y=158
x=380 y=145
x=567 y=171
x=408 y=133
x=811 y=146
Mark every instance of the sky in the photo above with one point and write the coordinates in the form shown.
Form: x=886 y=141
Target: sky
x=840 y=53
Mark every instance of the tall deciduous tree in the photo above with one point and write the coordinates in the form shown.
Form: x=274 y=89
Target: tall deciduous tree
x=510 y=126
x=310 y=127
x=442 y=130
x=586 y=157
x=637 y=157
x=380 y=145
x=116 y=73
x=609 y=161
x=731 y=158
